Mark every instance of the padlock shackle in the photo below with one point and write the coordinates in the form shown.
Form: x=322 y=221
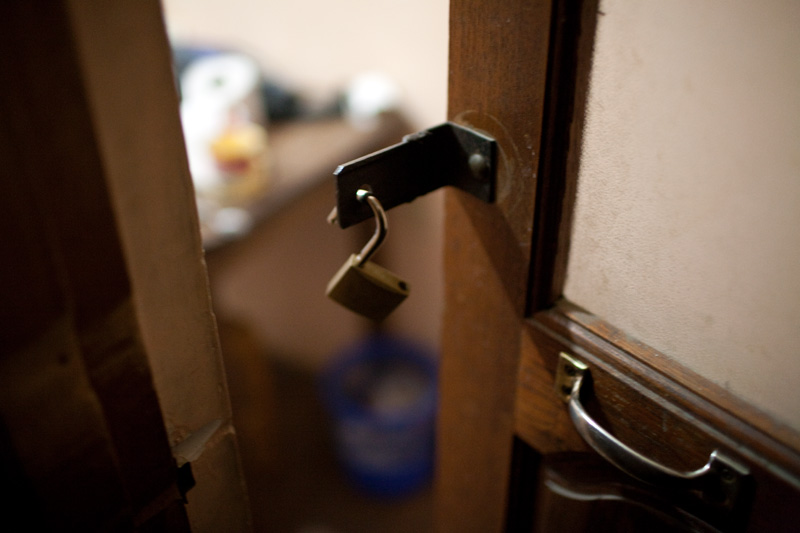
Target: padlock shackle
x=381 y=226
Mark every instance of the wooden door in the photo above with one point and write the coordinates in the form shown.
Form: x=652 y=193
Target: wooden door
x=113 y=402
x=509 y=454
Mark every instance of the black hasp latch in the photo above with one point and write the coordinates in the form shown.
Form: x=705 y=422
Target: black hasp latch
x=448 y=154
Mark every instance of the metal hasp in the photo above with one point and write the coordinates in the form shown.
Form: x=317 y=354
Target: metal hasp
x=447 y=154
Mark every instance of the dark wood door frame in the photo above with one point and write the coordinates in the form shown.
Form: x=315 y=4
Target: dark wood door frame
x=692 y=414
x=496 y=85
x=571 y=43
x=499 y=413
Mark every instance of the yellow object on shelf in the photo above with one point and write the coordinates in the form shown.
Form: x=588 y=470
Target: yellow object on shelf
x=242 y=158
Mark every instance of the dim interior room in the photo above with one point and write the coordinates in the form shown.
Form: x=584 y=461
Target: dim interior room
x=277 y=329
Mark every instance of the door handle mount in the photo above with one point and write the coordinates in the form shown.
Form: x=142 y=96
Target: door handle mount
x=447 y=154
x=717 y=482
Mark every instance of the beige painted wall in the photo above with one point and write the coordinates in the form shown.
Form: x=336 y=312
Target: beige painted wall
x=318 y=46
x=687 y=232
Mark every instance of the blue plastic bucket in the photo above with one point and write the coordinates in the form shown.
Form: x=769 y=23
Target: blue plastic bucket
x=381 y=395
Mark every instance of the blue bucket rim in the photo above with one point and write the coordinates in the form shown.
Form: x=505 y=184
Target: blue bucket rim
x=379 y=347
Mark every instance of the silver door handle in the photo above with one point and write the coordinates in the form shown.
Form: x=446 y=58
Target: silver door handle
x=717 y=481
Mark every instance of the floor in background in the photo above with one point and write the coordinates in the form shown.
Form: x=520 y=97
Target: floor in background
x=294 y=481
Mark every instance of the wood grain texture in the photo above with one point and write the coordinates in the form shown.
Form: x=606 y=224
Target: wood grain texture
x=540 y=415
x=101 y=210
x=125 y=64
x=124 y=61
x=81 y=410
x=57 y=454
x=661 y=415
x=498 y=61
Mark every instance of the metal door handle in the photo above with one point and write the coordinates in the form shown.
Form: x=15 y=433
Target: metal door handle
x=717 y=481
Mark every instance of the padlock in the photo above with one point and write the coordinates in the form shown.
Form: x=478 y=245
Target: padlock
x=368 y=289
x=363 y=286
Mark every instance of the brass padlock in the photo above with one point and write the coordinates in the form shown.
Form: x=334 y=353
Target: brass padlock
x=361 y=285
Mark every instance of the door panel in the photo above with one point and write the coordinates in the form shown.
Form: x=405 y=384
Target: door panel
x=686 y=221
x=109 y=358
x=78 y=403
x=509 y=454
x=658 y=417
